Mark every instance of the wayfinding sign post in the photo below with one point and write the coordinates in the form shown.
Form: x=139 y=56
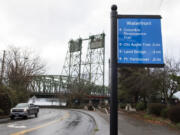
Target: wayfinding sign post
x=140 y=40
x=136 y=40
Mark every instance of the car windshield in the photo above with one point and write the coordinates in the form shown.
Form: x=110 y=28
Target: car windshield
x=21 y=105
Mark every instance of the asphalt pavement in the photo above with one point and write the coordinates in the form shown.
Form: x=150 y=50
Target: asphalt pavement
x=80 y=122
x=52 y=122
x=128 y=125
x=132 y=126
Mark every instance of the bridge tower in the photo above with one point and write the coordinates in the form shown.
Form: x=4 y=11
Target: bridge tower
x=72 y=64
x=94 y=65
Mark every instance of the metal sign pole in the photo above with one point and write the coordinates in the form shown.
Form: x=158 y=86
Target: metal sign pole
x=141 y=48
x=113 y=80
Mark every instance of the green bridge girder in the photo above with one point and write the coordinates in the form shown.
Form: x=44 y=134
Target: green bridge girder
x=49 y=84
x=58 y=84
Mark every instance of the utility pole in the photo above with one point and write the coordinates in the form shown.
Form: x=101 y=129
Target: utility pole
x=103 y=38
x=2 y=68
x=80 y=60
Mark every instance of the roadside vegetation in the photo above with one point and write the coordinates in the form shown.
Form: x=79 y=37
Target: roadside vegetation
x=79 y=92
x=17 y=68
x=151 y=90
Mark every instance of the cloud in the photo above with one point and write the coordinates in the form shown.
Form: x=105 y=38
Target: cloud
x=138 y=6
x=47 y=25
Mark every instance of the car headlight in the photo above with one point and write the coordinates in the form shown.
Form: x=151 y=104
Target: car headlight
x=25 y=110
x=11 y=110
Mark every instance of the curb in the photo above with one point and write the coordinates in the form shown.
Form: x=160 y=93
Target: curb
x=86 y=113
x=4 y=120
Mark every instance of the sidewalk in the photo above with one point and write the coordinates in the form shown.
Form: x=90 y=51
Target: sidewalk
x=102 y=124
x=128 y=125
x=106 y=117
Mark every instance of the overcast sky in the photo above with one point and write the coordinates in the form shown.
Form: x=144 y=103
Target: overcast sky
x=47 y=25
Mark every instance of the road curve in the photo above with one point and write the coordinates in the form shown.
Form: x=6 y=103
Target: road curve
x=52 y=122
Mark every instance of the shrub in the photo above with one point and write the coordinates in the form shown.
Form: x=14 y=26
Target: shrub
x=140 y=106
x=178 y=125
x=174 y=114
x=90 y=107
x=156 y=108
x=1 y=112
x=5 y=102
x=122 y=105
x=164 y=112
x=7 y=98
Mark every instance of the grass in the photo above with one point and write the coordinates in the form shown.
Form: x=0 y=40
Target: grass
x=160 y=120
x=153 y=118
x=146 y=116
x=96 y=129
x=178 y=125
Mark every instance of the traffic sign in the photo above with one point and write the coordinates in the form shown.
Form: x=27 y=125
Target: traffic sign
x=139 y=41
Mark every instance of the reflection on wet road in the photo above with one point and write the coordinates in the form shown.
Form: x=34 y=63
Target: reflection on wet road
x=52 y=122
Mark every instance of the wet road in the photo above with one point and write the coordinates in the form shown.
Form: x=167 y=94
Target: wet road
x=128 y=125
x=52 y=122
x=132 y=126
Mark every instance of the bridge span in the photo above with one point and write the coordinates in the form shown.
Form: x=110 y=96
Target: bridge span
x=60 y=86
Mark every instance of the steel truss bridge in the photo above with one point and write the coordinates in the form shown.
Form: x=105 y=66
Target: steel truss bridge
x=56 y=85
x=48 y=84
x=90 y=69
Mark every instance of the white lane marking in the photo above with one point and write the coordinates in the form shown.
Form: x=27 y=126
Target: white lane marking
x=16 y=126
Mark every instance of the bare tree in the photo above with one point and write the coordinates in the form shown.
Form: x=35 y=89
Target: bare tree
x=21 y=65
x=150 y=85
x=78 y=90
x=169 y=79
